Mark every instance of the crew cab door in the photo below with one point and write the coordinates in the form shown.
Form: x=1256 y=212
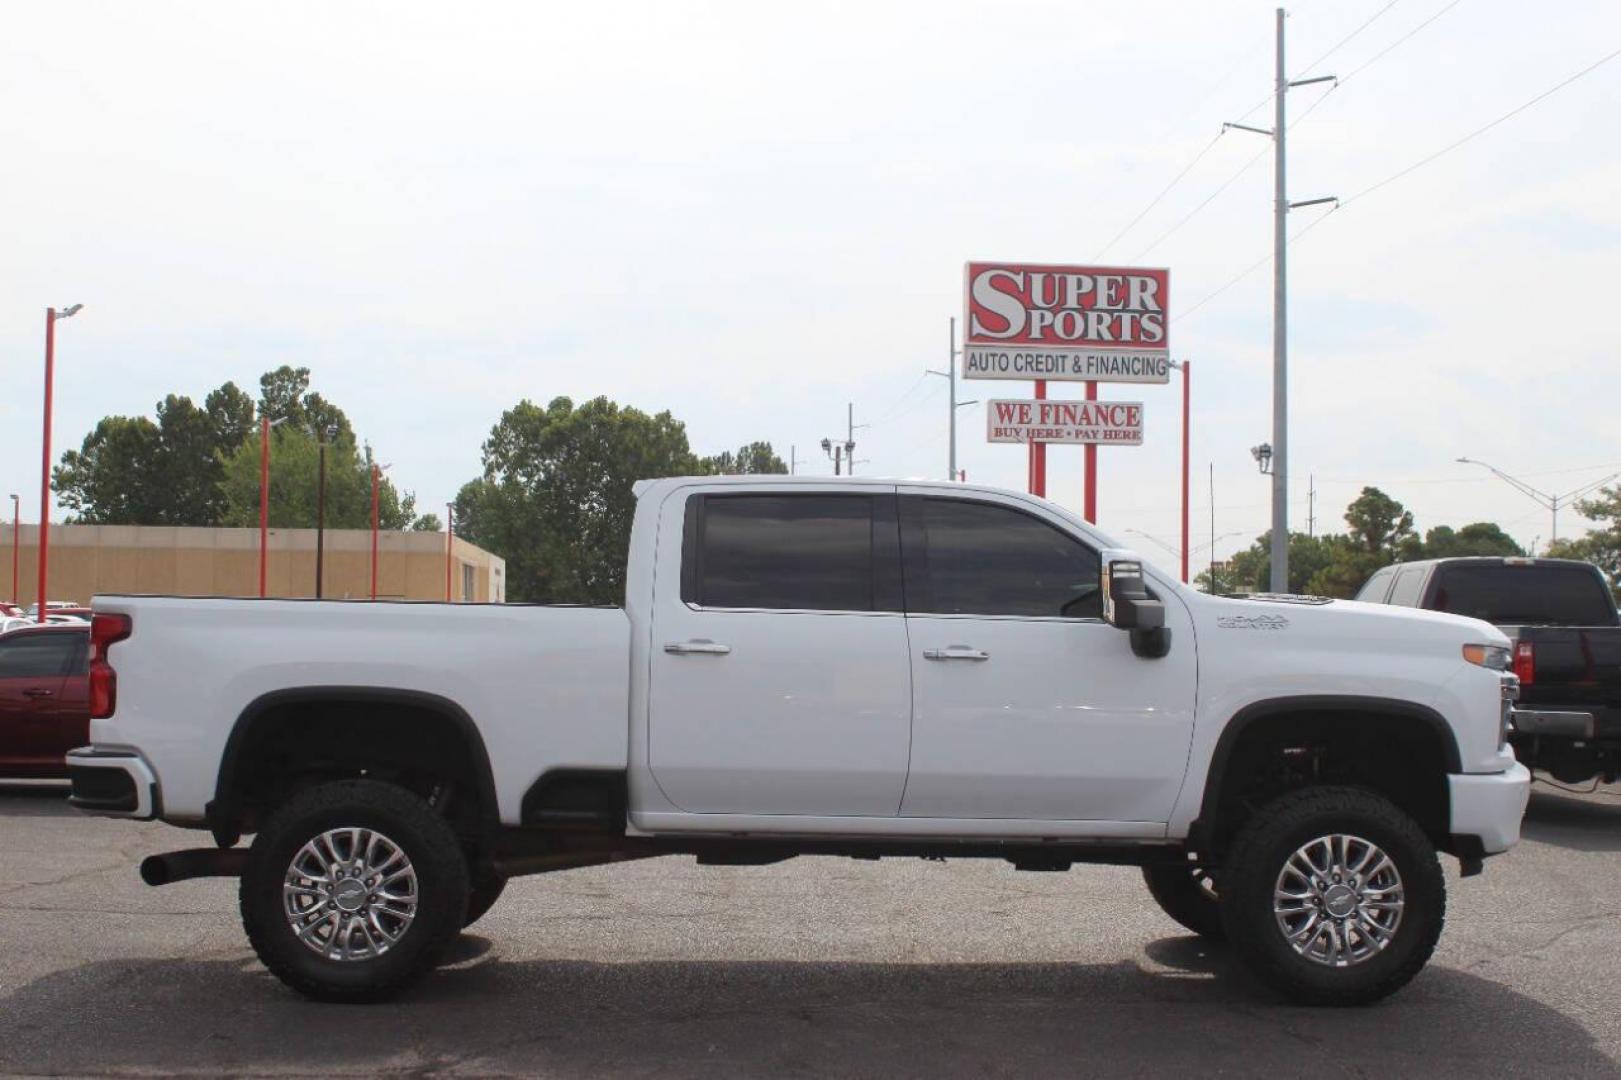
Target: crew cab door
x=1026 y=704
x=780 y=681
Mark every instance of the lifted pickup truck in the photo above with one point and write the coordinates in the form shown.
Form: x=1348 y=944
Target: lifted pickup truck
x=858 y=668
x=1561 y=619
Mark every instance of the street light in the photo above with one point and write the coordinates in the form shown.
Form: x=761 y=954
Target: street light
x=265 y=424
x=16 y=531
x=376 y=479
x=330 y=433
x=1542 y=498
x=1263 y=457
x=1186 y=367
x=51 y=317
x=450 y=537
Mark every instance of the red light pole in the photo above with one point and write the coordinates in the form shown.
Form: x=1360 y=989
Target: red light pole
x=450 y=534
x=16 y=533
x=376 y=479
x=265 y=424
x=1187 y=375
x=51 y=315
x=1091 y=467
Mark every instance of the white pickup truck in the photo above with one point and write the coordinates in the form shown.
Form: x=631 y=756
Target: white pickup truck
x=858 y=668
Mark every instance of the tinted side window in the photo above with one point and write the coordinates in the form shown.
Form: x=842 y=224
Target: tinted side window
x=1556 y=595
x=1409 y=582
x=983 y=559
x=808 y=552
x=1374 y=591
x=36 y=655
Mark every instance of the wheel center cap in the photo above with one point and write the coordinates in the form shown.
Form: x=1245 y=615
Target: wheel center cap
x=1340 y=900
x=350 y=895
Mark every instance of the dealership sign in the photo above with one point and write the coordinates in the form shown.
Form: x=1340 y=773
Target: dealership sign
x=1119 y=423
x=1066 y=323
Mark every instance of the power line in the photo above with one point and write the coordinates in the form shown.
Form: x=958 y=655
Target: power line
x=1251 y=268
x=1155 y=201
x=1344 y=40
x=1191 y=214
x=1482 y=129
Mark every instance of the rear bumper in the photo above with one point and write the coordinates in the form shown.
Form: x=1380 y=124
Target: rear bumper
x=1489 y=806
x=112 y=783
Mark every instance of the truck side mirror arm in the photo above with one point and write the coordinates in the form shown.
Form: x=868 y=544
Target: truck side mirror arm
x=1127 y=605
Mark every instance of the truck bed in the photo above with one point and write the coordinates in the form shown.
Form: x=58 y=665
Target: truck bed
x=546 y=685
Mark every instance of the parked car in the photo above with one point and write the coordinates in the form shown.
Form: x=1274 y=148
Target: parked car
x=9 y=610
x=15 y=622
x=44 y=702
x=65 y=608
x=852 y=667
x=1562 y=620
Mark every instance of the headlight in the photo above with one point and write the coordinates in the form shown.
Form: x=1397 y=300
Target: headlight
x=1496 y=657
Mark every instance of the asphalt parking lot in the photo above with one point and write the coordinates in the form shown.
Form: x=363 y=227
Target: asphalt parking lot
x=815 y=966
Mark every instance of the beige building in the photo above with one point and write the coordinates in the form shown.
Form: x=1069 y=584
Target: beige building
x=90 y=559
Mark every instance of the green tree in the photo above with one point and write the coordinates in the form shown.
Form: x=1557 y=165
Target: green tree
x=1602 y=546
x=555 y=499
x=295 y=456
x=1379 y=525
x=1478 y=538
x=1250 y=570
x=757 y=458
x=136 y=471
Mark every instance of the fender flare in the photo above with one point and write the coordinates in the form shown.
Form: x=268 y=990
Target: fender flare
x=223 y=814
x=1250 y=714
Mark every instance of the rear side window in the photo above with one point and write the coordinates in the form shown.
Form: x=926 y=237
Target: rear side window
x=808 y=552
x=1374 y=591
x=1521 y=595
x=1409 y=583
x=35 y=656
x=984 y=559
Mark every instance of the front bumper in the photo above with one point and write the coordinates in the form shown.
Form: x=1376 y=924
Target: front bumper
x=1489 y=806
x=112 y=783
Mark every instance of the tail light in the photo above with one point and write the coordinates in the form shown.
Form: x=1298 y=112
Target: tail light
x=105 y=630
x=1525 y=662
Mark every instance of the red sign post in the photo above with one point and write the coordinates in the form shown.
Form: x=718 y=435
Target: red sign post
x=1067 y=324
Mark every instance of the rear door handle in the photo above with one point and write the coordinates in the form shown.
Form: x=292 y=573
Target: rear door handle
x=697 y=645
x=36 y=692
x=956 y=652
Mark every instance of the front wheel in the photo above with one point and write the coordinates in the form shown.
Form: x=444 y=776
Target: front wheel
x=1333 y=896
x=353 y=890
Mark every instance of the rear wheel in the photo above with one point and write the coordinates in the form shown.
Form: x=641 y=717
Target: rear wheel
x=353 y=890
x=1187 y=893
x=1333 y=896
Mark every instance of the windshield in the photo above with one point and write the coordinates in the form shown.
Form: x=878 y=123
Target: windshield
x=1525 y=595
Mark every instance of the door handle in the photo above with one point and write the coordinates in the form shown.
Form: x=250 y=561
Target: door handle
x=956 y=652
x=697 y=645
x=36 y=692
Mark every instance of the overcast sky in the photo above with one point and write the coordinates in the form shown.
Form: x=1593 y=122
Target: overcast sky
x=750 y=214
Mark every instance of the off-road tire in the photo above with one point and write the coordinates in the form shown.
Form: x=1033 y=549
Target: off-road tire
x=486 y=890
x=1181 y=892
x=1250 y=876
x=407 y=820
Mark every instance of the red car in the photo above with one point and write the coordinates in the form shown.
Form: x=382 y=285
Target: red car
x=44 y=698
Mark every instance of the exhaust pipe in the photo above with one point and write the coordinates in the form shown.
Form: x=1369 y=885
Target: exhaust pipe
x=193 y=863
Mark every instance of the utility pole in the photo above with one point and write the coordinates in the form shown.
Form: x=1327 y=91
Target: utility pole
x=850 y=439
x=1212 y=528
x=950 y=374
x=1311 y=505
x=1280 y=311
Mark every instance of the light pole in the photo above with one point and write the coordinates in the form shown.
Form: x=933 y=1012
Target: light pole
x=450 y=536
x=16 y=532
x=51 y=316
x=952 y=405
x=265 y=424
x=1552 y=502
x=376 y=479
x=1186 y=367
x=322 y=438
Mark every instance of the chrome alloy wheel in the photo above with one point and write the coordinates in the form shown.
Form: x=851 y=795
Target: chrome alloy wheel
x=350 y=894
x=1338 y=900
